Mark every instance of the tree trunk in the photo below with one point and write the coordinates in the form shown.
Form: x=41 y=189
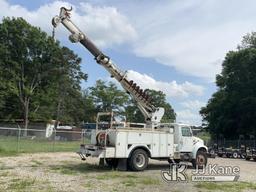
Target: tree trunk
x=58 y=113
x=26 y=112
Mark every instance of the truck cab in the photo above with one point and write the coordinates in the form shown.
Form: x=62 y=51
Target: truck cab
x=188 y=147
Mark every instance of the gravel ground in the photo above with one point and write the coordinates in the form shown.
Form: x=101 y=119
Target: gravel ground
x=66 y=172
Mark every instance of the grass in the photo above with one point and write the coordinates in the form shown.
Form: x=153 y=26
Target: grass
x=10 y=146
x=104 y=174
x=4 y=152
x=74 y=169
x=28 y=184
x=37 y=162
x=114 y=175
x=4 y=174
x=129 y=180
x=129 y=183
x=231 y=186
x=20 y=184
x=149 y=181
x=4 y=167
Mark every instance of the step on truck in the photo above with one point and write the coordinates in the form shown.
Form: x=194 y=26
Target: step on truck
x=132 y=146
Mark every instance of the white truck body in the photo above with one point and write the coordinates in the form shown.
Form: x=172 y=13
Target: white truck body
x=123 y=141
x=167 y=142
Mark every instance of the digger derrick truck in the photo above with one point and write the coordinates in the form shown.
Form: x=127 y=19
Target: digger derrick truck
x=129 y=146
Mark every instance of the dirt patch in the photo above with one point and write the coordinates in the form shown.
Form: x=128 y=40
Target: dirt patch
x=66 y=172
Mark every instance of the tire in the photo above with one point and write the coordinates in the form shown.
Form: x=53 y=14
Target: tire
x=138 y=160
x=200 y=161
x=111 y=162
x=212 y=152
x=235 y=155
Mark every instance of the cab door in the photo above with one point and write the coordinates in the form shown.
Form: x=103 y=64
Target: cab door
x=186 y=139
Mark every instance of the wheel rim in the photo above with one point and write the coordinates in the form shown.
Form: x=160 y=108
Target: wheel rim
x=200 y=160
x=140 y=160
x=235 y=155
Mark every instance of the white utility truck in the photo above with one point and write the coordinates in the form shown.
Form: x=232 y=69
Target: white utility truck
x=129 y=144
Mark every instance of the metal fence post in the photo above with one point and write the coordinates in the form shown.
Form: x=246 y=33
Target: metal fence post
x=54 y=139
x=18 y=139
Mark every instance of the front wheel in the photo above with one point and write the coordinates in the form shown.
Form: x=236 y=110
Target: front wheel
x=200 y=161
x=138 y=160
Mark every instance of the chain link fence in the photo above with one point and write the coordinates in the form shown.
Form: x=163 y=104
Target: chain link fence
x=18 y=140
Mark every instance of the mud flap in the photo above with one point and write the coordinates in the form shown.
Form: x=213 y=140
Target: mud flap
x=101 y=162
x=122 y=164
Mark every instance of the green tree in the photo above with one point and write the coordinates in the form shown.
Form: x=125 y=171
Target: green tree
x=70 y=104
x=90 y=110
x=231 y=110
x=107 y=97
x=133 y=113
x=37 y=73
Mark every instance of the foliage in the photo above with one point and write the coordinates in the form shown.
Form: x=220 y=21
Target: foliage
x=231 y=110
x=133 y=114
x=39 y=79
x=108 y=97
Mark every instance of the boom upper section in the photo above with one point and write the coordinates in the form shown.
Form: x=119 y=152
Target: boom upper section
x=152 y=114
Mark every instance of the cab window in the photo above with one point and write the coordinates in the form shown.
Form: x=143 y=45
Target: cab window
x=186 y=132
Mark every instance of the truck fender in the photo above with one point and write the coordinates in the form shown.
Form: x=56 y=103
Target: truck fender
x=198 y=147
x=138 y=146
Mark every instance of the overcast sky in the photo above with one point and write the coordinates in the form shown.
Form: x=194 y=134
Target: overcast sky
x=174 y=46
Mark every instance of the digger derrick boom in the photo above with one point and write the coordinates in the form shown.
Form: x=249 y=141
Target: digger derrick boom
x=151 y=113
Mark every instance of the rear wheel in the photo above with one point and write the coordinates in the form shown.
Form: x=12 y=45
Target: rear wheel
x=138 y=160
x=200 y=161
